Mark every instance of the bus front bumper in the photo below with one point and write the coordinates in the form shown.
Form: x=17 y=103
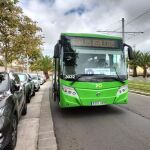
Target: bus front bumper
x=68 y=101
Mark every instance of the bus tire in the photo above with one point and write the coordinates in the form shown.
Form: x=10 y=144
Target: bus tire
x=54 y=95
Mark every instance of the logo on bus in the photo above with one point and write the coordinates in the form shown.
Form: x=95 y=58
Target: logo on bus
x=98 y=94
x=99 y=85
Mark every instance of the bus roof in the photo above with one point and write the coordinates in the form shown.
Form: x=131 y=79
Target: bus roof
x=91 y=35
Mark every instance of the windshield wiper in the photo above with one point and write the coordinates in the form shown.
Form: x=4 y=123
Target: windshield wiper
x=102 y=77
x=118 y=77
x=111 y=77
x=79 y=76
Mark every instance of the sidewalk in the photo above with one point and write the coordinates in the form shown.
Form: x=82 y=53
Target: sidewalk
x=35 y=130
x=46 y=138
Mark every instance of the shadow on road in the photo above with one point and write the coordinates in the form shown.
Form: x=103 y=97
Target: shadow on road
x=90 y=111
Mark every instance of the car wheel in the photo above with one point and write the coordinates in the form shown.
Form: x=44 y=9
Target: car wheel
x=39 y=88
x=28 y=98
x=33 y=93
x=24 y=111
x=13 y=136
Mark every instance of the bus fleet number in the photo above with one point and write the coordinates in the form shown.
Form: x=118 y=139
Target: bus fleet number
x=69 y=76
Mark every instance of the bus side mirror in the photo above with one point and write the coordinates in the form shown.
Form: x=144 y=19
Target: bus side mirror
x=130 y=51
x=57 y=51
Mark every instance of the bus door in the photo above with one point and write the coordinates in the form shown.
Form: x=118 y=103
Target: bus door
x=56 y=89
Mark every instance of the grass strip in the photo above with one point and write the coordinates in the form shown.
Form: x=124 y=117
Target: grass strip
x=139 y=86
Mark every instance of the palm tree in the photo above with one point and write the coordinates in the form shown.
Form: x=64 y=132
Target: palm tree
x=135 y=62
x=43 y=64
x=144 y=62
x=46 y=65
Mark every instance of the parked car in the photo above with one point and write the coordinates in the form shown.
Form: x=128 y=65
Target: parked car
x=12 y=106
x=43 y=76
x=41 y=79
x=27 y=82
x=36 y=81
x=32 y=85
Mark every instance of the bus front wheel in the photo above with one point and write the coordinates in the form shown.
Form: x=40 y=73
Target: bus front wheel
x=54 y=96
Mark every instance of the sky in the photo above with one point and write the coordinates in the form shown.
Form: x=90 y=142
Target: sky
x=89 y=16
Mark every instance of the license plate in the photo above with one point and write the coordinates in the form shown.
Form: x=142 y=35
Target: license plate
x=97 y=103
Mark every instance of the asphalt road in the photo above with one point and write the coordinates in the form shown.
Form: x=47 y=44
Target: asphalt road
x=125 y=127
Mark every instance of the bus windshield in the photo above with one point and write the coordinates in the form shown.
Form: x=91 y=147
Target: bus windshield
x=100 y=62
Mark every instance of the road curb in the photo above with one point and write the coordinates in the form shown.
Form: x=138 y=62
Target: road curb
x=28 y=126
x=139 y=92
x=46 y=136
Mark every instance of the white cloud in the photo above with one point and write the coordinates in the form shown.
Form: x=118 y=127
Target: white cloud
x=100 y=14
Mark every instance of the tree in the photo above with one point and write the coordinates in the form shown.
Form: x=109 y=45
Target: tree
x=135 y=62
x=43 y=64
x=1 y=63
x=9 y=22
x=29 y=38
x=19 y=35
x=144 y=62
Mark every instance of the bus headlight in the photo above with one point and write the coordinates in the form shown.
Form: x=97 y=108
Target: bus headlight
x=69 y=91
x=122 y=90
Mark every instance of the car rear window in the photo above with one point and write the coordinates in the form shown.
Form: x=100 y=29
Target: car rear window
x=22 y=77
x=34 y=77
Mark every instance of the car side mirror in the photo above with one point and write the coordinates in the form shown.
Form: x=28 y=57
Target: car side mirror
x=30 y=79
x=16 y=87
x=130 y=51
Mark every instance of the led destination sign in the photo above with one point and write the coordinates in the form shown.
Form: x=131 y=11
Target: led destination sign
x=90 y=42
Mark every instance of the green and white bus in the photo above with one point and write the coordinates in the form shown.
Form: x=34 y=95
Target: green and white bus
x=90 y=70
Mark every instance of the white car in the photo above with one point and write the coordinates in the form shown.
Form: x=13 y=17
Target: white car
x=41 y=79
x=36 y=81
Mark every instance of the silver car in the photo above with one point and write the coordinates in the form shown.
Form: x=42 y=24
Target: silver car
x=36 y=81
x=41 y=79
